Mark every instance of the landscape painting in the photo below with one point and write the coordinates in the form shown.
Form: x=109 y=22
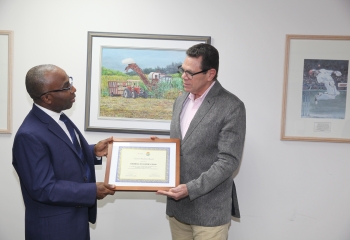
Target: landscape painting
x=140 y=83
x=132 y=80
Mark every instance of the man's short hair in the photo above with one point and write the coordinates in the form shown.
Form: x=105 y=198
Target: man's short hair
x=35 y=79
x=209 y=54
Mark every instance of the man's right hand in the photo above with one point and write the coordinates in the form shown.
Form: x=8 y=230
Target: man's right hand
x=102 y=190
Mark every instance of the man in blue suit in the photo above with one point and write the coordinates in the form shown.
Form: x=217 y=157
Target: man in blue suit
x=57 y=178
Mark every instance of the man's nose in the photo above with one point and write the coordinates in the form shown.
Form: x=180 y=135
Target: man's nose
x=184 y=76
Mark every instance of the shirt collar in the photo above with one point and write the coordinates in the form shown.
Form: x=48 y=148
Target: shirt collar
x=191 y=96
x=54 y=115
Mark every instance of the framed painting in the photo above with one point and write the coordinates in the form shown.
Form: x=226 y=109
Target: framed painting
x=133 y=80
x=143 y=164
x=6 y=55
x=315 y=102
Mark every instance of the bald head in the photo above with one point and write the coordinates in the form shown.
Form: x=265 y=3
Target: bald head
x=35 y=79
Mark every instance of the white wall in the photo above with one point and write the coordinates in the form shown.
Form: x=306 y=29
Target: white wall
x=287 y=189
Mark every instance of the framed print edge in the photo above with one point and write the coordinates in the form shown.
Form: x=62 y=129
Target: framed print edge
x=285 y=86
x=6 y=46
x=114 y=163
x=305 y=41
x=96 y=123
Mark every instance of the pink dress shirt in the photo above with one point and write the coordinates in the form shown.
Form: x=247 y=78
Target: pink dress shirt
x=190 y=108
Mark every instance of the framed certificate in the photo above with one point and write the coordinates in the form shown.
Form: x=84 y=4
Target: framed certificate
x=143 y=164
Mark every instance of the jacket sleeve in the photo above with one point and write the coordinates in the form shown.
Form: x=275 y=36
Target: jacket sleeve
x=97 y=160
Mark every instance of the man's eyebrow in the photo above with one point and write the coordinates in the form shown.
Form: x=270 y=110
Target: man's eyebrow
x=66 y=83
x=187 y=70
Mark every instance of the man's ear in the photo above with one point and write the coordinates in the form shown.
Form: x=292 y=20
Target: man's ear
x=212 y=73
x=47 y=99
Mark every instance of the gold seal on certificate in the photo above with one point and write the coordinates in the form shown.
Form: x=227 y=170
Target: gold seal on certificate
x=143 y=164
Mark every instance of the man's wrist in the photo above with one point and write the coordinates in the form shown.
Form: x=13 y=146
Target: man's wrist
x=95 y=150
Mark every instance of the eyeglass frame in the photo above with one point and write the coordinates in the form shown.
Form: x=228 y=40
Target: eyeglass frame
x=188 y=74
x=62 y=89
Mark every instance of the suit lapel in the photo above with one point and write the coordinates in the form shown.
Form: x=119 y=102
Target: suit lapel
x=177 y=113
x=55 y=128
x=205 y=107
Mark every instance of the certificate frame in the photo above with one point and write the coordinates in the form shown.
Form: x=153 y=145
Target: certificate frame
x=6 y=60
x=143 y=164
x=310 y=112
x=108 y=107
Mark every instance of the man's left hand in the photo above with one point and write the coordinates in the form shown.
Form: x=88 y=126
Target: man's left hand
x=101 y=148
x=177 y=193
x=102 y=190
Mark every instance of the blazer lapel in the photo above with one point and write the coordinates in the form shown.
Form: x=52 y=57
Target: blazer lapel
x=207 y=104
x=54 y=128
x=177 y=112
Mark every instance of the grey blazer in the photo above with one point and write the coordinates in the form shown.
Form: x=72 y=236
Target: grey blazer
x=210 y=152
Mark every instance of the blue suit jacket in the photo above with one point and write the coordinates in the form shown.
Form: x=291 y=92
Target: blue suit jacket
x=58 y=199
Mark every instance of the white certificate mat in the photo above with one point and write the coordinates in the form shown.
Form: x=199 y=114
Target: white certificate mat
x=143 y=164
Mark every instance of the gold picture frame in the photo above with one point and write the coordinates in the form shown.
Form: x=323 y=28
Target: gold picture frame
x=143 y=164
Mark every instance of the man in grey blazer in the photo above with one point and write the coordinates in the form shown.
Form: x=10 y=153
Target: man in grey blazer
x=211 y=122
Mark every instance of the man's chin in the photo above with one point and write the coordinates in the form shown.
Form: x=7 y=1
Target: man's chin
x=69 y=106
x=187 y=89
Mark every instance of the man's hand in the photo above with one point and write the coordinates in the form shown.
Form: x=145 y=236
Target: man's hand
x=101 y=148
x=177 y=193
x=102 y=190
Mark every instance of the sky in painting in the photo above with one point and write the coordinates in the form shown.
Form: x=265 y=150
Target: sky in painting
x=145 y=58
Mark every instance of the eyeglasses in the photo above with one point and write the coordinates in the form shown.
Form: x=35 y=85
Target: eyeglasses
x=62 y=89
x=189 y=74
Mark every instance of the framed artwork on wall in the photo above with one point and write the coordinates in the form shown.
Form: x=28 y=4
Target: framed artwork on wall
x=6 y=55
x=316 y=105
x=133 y=80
